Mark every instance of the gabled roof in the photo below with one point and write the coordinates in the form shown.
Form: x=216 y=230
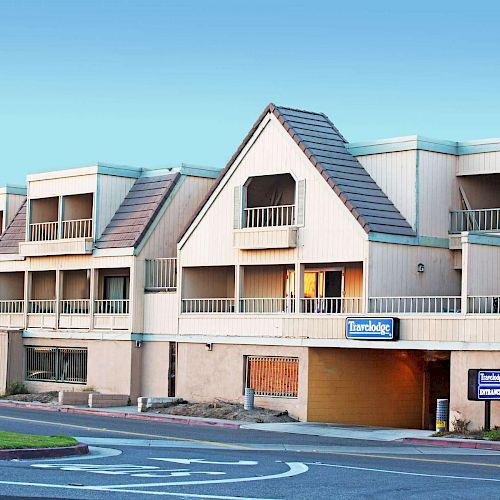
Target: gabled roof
x=326 y=149
x=14 y=233
x=137 y=211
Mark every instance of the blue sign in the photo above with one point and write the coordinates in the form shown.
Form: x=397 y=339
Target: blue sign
x=372 y=328
x=488 y=384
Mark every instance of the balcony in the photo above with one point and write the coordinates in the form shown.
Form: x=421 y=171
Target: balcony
x=12 y=313
x=415 y=305
x=59 y=226
x=481 y=220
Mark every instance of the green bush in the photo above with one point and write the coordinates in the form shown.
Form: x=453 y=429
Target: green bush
x=16 y=387
x=494 y=434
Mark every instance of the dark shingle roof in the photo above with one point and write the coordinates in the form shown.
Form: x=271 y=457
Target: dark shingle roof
x=15 y=233
x=137 y=212
x=326 y=148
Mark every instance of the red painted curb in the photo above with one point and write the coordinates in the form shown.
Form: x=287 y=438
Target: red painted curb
x=27 y=453
x=453 y=443
x=130 y=416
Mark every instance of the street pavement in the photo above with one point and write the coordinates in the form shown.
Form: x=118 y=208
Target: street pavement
x=140 y=459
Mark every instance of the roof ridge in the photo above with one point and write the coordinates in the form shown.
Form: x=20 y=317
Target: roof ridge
x=299 y=110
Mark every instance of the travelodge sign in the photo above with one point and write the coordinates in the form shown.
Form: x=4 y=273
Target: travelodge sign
x=372 y=328
x=484 y=385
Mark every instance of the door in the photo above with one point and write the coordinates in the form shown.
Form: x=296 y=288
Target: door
x=333 y=291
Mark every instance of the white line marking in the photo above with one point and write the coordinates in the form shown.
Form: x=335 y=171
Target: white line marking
x=121 y=491
x=295 y=468
x=188 y=461
x=385 y=471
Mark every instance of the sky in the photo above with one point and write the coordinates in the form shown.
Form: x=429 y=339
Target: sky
x=153 y=83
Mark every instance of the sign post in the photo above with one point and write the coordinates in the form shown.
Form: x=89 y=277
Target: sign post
x=484 y=385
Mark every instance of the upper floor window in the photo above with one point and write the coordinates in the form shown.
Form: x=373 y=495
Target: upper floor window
x=269 y=201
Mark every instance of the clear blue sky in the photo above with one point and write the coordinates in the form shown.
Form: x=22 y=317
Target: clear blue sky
x=156 y=82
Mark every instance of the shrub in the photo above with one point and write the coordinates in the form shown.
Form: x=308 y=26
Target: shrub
x=16 y=387
x=460 y=425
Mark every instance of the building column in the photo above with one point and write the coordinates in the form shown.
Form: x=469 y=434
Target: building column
x=60 y=210
x=27 y=296
x=465 y=275
x=239 y=286
x=59 y=287
x=299 y=286
x=92 y=295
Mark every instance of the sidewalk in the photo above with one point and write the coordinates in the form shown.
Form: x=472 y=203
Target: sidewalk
x=382 y=434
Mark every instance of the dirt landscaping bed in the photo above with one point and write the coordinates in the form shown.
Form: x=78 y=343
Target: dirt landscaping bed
x=40 y=397
x=227 y=411
x=493 y=435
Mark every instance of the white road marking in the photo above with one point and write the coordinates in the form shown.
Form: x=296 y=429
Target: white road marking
x=127 y=469
x=188 y=461
x=121 y=491
x=386 y=471
x=295 y=468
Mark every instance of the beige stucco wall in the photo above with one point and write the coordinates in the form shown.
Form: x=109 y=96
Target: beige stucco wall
x=204 y=375
x=155 y=365
x=113 y=366
x=365 y=387
x=460 y=406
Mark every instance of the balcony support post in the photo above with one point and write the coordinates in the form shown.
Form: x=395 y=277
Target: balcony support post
x=60 y=218
x=27 y=296
x=239 y=286
x=92 y=295
x=465 y=275
x=59 y=294
x=299 y=286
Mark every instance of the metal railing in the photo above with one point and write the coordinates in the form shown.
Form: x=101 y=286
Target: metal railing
x=80 y=228
x=42 y=307
x=75 y=306
x=44 y=231
x=415 y=305
x=331 y=305
x=267 y=305
x=161 y=274
x=120 y=306
x=484 y=219
x=56 y=364
x=483 y=304
x=208 y=305
x=11 y=306
x=280 y=215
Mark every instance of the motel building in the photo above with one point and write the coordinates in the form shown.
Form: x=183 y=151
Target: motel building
x=346 y=283
x=85 y=254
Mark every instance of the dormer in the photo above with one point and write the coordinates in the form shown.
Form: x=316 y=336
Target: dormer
x=67 y=210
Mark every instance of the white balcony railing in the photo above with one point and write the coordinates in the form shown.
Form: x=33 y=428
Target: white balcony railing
x=484 y=219
x=161 y=274
x=208 y=305
x=267 y=305
x=415 y=305
x=11 y=306
x=81 y=228
x=483 y=304
x=44 y=231
x=120 y=306
x=332 y=305
x=42 y=307
x=281 y=215
x=75 y=306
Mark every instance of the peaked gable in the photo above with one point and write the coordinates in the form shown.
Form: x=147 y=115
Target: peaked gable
x=326 y=149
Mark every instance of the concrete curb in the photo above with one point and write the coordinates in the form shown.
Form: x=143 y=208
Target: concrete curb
x=130 y=416
x=27 y=453
x=454 y=443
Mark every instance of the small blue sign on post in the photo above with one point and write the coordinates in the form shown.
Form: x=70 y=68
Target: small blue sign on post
x=372 y=328
x=488 y=385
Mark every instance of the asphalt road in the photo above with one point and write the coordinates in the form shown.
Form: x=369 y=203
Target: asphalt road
x=139 y=459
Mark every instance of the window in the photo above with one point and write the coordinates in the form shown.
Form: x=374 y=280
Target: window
x=272 y=376
x=56 y=364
